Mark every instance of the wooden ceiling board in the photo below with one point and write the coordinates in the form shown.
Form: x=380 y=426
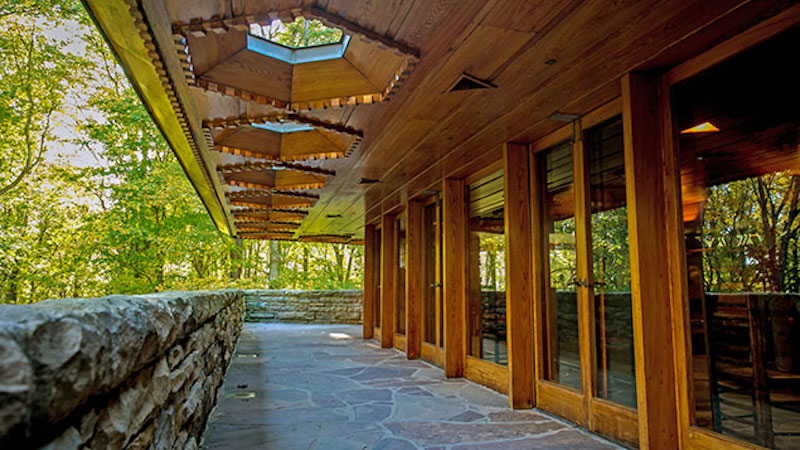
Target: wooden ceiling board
x=422 y=135
x=290 y=179
x=314 y=143
x=579 y=74
x=333 y=78
x=256 y=73
x=181 y=11
x=208 y=51
x=375 y=64
x=255 y=140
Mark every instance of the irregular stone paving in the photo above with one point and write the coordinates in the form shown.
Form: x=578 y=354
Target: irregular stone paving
x=323 y=387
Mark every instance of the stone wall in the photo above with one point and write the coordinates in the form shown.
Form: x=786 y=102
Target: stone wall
x=114 y=372
x=266 y=305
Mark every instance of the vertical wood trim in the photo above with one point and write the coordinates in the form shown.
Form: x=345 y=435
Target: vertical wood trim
x=454 y=218
x=676 y=258
x=388 y=269
x=538 y=265
x=583 y=251
x=370 y=282
x=414 y=285
x=519 y=305
x=650 y=270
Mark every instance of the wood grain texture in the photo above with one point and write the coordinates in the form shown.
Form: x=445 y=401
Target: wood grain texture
x=414 y=280
x=519 y=304
x=454 y=218
x=486 y=373
x=583 y=252
x=388 y=269
x=650 y=270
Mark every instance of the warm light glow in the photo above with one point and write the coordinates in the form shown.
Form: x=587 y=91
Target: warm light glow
x=705 y=127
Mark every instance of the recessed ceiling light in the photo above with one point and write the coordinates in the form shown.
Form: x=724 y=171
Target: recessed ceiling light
x=705 y=127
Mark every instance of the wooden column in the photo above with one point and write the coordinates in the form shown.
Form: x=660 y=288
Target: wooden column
x=414 y=286
x=646 y=162
x=519 y=304
x=388 y=269
x=371 y=252
x=454 y=218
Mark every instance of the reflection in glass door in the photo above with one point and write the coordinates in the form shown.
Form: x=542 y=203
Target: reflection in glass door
x=561 y=344
x=614 y=375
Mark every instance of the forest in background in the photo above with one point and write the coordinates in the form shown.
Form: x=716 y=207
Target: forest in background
x=92 y=200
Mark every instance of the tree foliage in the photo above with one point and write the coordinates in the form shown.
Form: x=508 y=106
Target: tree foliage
x=92 y=200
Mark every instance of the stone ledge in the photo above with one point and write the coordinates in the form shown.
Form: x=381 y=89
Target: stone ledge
x=61 y=356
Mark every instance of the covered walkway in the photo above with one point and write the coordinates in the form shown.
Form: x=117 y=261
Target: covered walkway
x=322 y=386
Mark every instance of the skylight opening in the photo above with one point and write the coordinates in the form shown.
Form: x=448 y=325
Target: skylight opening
x=301 y=33
x=283 y=127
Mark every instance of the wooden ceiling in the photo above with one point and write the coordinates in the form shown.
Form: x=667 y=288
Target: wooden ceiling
x=541 y=56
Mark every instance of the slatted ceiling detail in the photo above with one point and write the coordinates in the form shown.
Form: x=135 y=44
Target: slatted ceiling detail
x=486 y=195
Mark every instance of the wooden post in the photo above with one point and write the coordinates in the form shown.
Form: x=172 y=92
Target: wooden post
x=414 y=280
x=454 y=217
x=519 y=305
x=370 y=282
x=648 y=207
x=388 y=269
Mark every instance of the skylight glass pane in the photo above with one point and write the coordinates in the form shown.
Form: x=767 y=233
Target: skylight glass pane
x=283 y=127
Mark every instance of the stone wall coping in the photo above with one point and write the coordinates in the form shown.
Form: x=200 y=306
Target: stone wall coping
x=55 y=355
x=302 y=292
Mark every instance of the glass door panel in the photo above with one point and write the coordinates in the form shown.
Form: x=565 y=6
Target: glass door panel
x=614 y=374
x=377 y=269
x=561 y=343
x=400 y=281
x=429 y=275
x=487 y=271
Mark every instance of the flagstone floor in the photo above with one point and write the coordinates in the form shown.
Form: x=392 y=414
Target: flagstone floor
x=323 y=387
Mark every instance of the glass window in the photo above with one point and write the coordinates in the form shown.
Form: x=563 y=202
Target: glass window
x=740 y=182
x=487 y=263
x=400 y=280
x=430 y=283
x=379 y=272
x=615 y=377
x=562 y=360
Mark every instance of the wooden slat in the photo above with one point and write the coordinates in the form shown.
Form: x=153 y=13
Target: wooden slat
x=371 y=253
x=616 y=421
x=650 y=270
x=388 y=269
x=454 y=218
x=414 y=279
x=519 y=305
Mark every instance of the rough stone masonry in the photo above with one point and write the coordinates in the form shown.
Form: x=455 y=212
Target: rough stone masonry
x=115 y=372
x=295 y=306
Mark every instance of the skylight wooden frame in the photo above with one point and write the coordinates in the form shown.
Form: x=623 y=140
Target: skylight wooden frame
x=408 y=55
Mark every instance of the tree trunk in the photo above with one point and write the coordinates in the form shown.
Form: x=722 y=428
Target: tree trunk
x=274 y=260
x=237 y=260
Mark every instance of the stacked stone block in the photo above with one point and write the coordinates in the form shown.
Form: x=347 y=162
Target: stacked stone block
x=114 y=372
x=265 y=305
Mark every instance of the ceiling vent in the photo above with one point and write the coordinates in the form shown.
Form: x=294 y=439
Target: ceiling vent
x=467 y=82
